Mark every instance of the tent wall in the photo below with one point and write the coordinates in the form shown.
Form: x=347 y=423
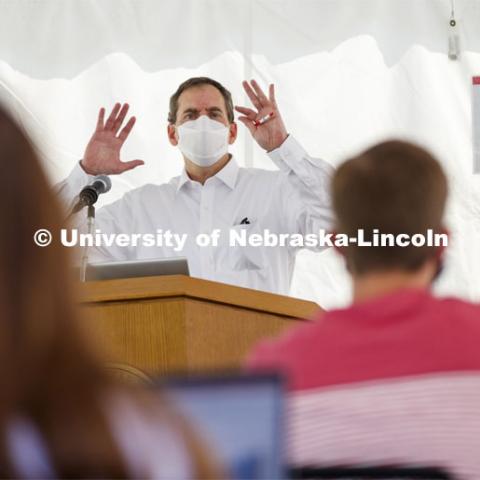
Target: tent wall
x=348 y=73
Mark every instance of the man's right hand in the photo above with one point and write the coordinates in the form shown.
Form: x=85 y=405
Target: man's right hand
x=102 y=155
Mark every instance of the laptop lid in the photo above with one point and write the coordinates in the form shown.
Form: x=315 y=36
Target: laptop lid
x=239 y=417
x=137 y=268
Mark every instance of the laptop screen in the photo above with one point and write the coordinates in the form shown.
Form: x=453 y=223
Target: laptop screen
x=239 y=417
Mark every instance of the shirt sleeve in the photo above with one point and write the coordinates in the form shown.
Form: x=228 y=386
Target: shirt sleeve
x=112 y=219
x=68 y=189
x=269 y=355
x=304 y=190
x=260 y=358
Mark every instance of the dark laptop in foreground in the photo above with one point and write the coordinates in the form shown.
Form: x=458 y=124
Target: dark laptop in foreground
x=370 y=472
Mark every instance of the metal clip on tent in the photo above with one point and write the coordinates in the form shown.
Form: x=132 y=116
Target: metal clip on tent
x=453 y=37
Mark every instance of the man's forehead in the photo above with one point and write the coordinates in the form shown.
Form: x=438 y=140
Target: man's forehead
x=200 y=97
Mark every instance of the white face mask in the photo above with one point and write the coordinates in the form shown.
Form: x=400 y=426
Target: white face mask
x=203 y=141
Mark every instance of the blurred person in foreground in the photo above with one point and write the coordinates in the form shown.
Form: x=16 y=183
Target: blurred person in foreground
x=61 y=415
x=395 y=377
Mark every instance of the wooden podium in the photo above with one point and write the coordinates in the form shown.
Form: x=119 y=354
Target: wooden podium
x=154 y=325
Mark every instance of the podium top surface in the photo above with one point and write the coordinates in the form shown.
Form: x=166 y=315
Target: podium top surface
x=182 y=286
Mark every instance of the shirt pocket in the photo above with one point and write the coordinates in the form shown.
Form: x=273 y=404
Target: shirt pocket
x=243 y=258
x=258 y=278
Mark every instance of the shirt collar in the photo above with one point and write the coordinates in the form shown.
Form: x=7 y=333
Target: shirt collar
x=228 y=175
x=184 y=178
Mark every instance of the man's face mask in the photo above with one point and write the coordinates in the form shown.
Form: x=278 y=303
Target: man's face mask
x=203 y=141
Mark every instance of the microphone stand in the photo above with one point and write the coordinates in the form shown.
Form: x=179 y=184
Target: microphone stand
x=87 y=197
x=90 y=225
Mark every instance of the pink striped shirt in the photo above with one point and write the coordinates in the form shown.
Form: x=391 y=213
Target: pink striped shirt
x=395 y=379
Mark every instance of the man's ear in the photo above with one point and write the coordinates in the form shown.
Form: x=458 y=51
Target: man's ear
x=172 y=134
x=342 y=251
x=440 y=250
x=439 y=254
x=233 y=133
x=337 y=248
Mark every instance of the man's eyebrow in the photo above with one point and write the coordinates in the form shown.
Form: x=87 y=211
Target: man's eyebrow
x=190 y=110
x=195 y=110
x=215 y=109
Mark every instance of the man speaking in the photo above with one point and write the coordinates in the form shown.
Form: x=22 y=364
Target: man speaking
x=213 y=192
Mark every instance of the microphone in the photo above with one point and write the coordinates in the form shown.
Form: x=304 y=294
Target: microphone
x=89 y=194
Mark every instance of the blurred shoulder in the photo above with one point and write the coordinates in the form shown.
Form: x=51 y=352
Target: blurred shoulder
x=287 y=347
x=150 y=441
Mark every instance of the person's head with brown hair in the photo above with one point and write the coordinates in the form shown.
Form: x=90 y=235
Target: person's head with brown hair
x=393 y=188
x=48 y=377
x=196 y=82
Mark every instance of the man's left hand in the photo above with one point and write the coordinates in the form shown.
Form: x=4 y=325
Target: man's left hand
x=270 y=133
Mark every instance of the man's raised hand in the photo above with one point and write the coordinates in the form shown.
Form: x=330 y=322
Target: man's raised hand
x=272 y=133
x=102 y=155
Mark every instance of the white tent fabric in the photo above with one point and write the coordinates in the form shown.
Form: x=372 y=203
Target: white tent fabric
x=348 y=73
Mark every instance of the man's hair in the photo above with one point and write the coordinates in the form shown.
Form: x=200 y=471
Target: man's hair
x=395 y=187
x=198 y=82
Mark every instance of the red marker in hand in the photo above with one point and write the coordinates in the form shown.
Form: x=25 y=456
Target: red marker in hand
x=263 y=119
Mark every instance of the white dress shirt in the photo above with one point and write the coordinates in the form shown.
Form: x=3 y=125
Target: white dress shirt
x=294 y=199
